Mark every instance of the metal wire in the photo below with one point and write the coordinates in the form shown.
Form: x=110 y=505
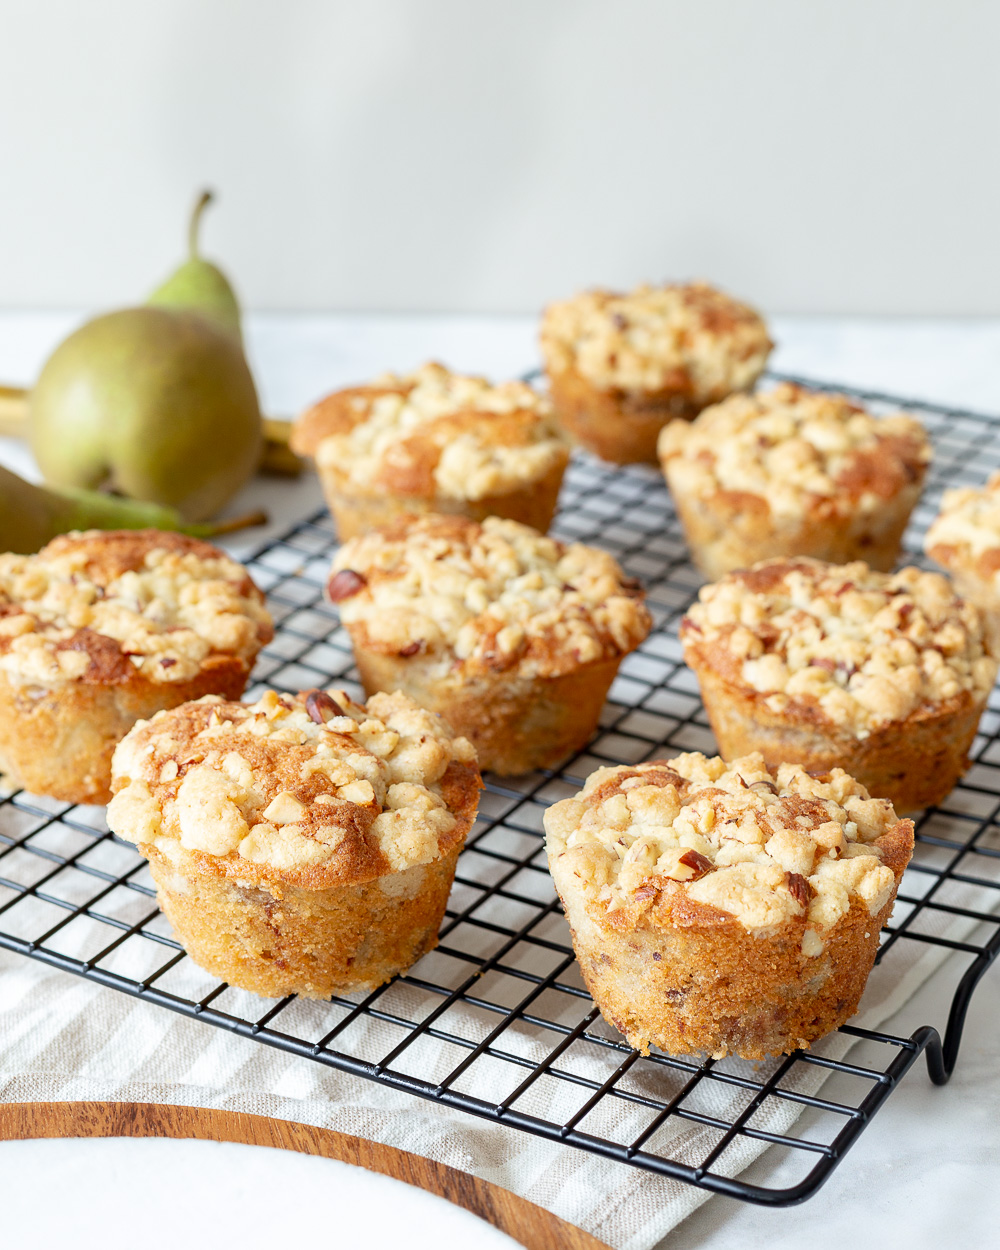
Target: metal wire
x=501 y=993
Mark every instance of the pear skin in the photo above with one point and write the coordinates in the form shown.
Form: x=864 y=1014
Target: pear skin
x=156 y=404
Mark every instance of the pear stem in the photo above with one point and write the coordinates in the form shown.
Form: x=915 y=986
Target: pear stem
x=194 y=225
x=210 y=529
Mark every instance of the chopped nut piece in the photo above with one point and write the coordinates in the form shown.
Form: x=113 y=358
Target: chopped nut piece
x=699 y=863
x=322 y=706
x=343 y=584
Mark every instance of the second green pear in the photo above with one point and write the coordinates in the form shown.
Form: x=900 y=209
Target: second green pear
x=199 y=285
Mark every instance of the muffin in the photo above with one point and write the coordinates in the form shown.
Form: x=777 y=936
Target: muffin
x=793 y=472
x=620 y=366
x=300 y=845
x=434 y=441
x=512 y=637
x=837 y=666
x=104 y=628
x=725 y=908
x=964 y=539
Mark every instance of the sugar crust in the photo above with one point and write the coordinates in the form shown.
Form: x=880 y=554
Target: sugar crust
x=762 y=847
x=854 y=648
x=314 y=792
x=99 y=606
x=797 y=449
x=431 y=433
x=496 y=596
x=689 y=338
x=966 y=532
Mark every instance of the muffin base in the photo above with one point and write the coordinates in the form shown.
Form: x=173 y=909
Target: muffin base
x=516 y=724
x=619 y=426
x=718 y=988
x=59 y=740
x=315 y=943
x=915 y=763
x=733 y=530
x=354 y=514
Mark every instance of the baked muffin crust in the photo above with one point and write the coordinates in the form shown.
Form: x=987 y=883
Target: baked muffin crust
x=966 y=532
x=433 y=433
x=492 y=597
x=690 y=339
x=315 y=791
x=104 y=606
x=794 y=448
x=841 y=643
x=698 y=834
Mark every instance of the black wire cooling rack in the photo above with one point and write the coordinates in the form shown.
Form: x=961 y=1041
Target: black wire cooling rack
x=496 y=1022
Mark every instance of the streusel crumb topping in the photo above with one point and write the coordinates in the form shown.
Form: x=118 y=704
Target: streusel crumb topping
x=969 y=524
x=293 y=784
x=791 y=446
x=859 y=648
x=493 y=596
x=692 y=339
x=166 y=603
x=763 y=847
x=434 y=432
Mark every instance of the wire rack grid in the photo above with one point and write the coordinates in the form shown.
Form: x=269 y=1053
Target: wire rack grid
x=496 y=1021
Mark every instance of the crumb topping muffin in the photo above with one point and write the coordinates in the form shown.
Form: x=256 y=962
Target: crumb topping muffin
x=792 y=446
x=860 y=649
x=299 y=845
x=725 y=908
x=967 y=529
x=761 y=847
x=494 y=596
x=512 y=637
x=690 y=339
x=964 y=538
x=100 y=605
x=793 y=472
x=434 y=433
x=317 y=790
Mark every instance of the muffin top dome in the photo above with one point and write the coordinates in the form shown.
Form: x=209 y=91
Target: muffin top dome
x=675 y=840
x=434 y=433
x=102 y=606
x=493 y=596
x=796 y=448
x=688 y=339
x=842 y=643
x=966 y=531
x=315 y=790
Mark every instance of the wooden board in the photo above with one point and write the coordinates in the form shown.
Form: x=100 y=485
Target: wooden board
x=531 y=1225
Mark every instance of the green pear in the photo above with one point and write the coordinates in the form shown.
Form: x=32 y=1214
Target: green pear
x=198 y=285
x=31 y=516
x=157 y=404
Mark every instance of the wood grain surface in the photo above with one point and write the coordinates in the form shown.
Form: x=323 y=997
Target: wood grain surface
x=531 y=1225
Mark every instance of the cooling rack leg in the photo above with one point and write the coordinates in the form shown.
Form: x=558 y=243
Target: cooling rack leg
x=928 y=1039
x=941 y=1068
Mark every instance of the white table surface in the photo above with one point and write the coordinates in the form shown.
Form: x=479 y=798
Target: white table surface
x=925 y=1173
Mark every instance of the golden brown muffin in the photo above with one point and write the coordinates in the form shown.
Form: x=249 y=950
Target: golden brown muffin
x=299 y=845
x=884 y=675
x=101 y=629
x=434 y=441
x=620 y=366
x=964 y=539
x=792 y=472
x=725 y=908
x=512 y=637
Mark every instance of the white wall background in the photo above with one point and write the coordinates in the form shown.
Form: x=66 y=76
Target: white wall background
x=813 y=155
